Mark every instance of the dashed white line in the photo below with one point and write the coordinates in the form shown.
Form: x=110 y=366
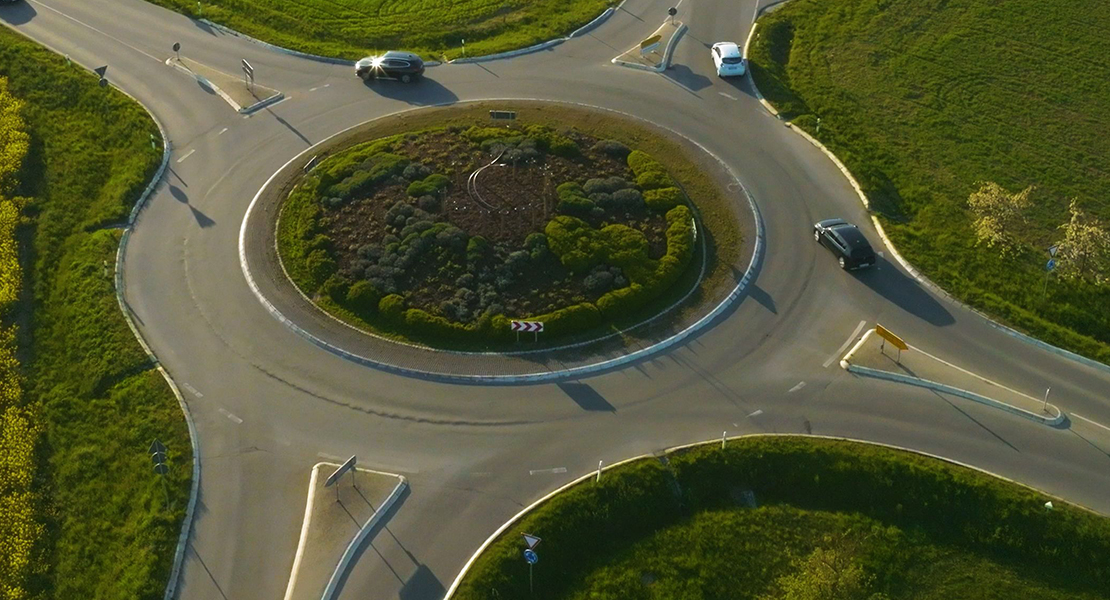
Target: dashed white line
x=1090 y=421
x=231 y=417
x=186 y=155
x=192 y=390
x=222 y=131
x=801 y=384
x=729 y=96
x=755 y=414
x=319 y=87
x=845 y=345
x=556 y=470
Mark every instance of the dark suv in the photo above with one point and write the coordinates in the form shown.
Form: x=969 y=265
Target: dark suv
x=846 y=241
x=404 y=66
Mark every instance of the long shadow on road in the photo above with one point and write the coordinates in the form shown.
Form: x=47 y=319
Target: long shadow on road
x=889 y=282
x=422 y=92
x=18 y=13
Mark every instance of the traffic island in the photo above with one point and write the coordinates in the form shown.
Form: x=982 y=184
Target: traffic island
x=338 y=519
x=654 y=52
x=883 y=355
x=240 y=92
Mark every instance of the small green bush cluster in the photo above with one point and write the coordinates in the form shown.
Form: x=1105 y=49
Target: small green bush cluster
x=659 y=191
x=372 y=171
x=430 y=185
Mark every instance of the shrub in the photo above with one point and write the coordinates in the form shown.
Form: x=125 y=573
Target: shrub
x=599 y=282
x=680 y=233
x=336 y=288
x=650 y=180
x=320 y=266
x=392 y=306
x=431 y=184
x=416 y=171
x=623 y=301
x=375 y=169
x=476 y=249
x=663 y=199
x=641 y=162
x=429 y=203
x=573 y=201
x=572 y=319
x=627 y=199
x=362 y=297
x=435 y=326
x=607 y=185
x=481 y=134
x=612 y=148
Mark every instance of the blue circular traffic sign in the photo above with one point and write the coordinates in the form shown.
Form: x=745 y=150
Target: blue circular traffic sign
x=531 y=557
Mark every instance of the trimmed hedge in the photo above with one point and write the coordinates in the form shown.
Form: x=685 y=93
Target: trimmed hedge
x=664 y=199
x=649 y=282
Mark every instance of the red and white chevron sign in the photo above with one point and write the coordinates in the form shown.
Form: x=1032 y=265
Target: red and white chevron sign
x=527 y=326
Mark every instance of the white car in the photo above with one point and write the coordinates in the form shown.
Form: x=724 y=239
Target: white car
x=728 y=60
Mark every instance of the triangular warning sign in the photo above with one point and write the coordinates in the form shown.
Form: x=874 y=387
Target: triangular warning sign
x=101 y=71
x=531 y=540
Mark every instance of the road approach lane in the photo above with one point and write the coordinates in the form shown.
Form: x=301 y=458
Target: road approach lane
x=269 y=405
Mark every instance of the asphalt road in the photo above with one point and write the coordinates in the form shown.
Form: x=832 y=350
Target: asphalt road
x=268 y=404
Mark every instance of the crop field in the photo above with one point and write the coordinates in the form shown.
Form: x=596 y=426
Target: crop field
x=924 y=99
x=435 y=28
x=82 y=515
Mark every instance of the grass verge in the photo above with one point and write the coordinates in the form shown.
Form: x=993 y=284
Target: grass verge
x=911 y=526
x=922 y=99
x=96 y=401
x=436 y=28
x=719 y=225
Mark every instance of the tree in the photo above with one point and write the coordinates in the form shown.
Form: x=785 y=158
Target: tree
x=826 y=574
x=997 y=212
x=1084 y=253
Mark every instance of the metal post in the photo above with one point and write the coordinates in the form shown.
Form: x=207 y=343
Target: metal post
x=166 y=489
x=1045 y=407
x=818 y=124
x=723 y=433
x=354 y=484
x=1044 y=292
x=464 y=48
x=598 y=472
x=530 y=589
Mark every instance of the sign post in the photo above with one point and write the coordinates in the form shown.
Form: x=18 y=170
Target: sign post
x=248 y=73
x=888 y=336
x=101 y=72
x=342 y=470
x=1048 y=268
x=672 y=11
x=531 y=558
x=177 y=50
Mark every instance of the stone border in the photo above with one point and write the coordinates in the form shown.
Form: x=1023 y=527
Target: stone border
x=913 y=272
x=749 y=274
x=518 y=516
x=667 y=53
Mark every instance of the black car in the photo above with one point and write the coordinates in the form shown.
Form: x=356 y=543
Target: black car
x=846 y=241
x=404 y=66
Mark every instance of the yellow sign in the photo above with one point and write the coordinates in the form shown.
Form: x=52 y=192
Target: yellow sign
x=890 y=337
x=651 y=41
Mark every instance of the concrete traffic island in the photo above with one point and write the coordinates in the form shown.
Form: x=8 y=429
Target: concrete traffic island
x=654 y=53
x=877 y=355
x=244 y=97
x=337 y=521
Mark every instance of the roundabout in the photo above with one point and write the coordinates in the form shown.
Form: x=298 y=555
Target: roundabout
x=269 y=403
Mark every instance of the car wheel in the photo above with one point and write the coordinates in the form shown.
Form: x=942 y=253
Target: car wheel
x=843 y=263
x=406 y=78
x=816 y=235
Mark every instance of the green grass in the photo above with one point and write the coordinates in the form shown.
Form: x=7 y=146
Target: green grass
x=919 y=528
x=923 y=98
x=354 y=28
x=722 y=233
x=100 y=403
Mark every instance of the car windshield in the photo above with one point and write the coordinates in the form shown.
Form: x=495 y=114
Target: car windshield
x=732 y=60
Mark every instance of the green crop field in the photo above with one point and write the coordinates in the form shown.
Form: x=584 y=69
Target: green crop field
x=435 y=28
x=82 y=514
x=922 y=99
x=786 y=518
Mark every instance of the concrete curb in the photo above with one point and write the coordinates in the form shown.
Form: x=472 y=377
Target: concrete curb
x=306 y=523
x=349 y=554
x=597 y=21
x=668 y=52
x=847 y=360
x=749 y=274
x=917 y=275
x=257 y=106
x=243 y=110
x=758 y=95
x=315 y=57
x=518 y=516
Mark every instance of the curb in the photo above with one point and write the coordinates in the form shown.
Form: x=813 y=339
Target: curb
x=749 y=274
x=667 y=53
x=315 y=57
x=243 y=110
x=493 y=537
x=352 y=548
x=594 y=24
x=758 y=95
x=917 y=275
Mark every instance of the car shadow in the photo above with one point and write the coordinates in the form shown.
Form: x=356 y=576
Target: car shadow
x=18 y=13
x=422 y=92
x=586 y=397
x=687 y=78
x=888 y=281
x=740 y=84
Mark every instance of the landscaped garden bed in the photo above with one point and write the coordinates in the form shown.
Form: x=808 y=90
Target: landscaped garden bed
x=443 y=235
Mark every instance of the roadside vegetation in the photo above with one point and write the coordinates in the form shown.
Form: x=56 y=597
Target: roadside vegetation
x=977 y=129
x=436 y=29
x=417 y=235
x=82 y=513
x=799 y=518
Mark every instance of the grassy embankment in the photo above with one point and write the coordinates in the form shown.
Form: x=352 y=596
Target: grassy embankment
x=922 y=99
x=720 y=229
x=354 y=28
x=91 y=515
x=889 y=522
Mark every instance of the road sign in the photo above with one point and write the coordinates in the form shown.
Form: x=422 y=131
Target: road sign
x=161 y=469
x=177 y=46
x=158 y=457
x=531 y=540
x=248 y=70
x=650 y=44
x=103 y=83
x=527 y=326
x=100 y=71
x=890 y=337
x=672 y=11
x=531 y=557
x=157 y=446
x=1050 y=265
x=1053 y=250
x=502 y=115
x=347 y=466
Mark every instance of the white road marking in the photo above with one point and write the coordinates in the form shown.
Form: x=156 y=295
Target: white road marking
x=801 y=384
x=99 y=31
x=729 y=96
x=192 y=390
x=319 y=87
x=363 y=466
x=976 y=375
x=755 y=414
x=845 y=345
x=1090 y=421
x=556 y=470
x=231 y=417
x=222 y=131
x=330 y=456
x=186 y=155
